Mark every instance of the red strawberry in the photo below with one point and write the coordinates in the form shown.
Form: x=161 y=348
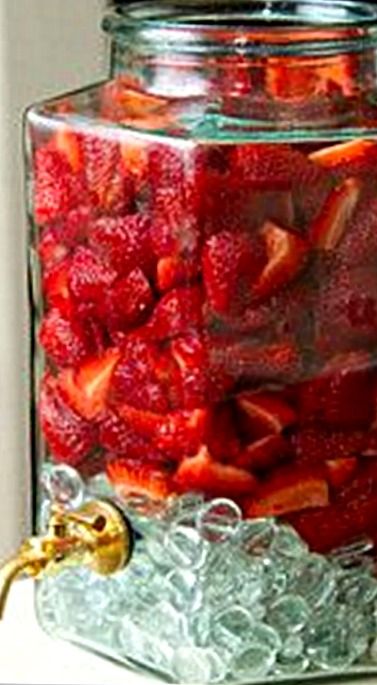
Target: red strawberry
x=286 y=253
x=69 y=436
x=67 y=142
x=178 y=312
x=174 y=230
x=352 y=158
x=275 y=362
x=63 y=340
x=330 y=225
x=123 y=242
x=86 y=389
x=359 y=243
x=266 y=166
x=89 y=278
x=347 y=310
x=117 y=437
x=352 y=515
x=139 y=478
x=175 y=271
x=55 y=191
x=51 y=249
x=202 y=474
x=128 y=301
x=287 y=490
x=176 y=433
x=314 y=445
x=135 y=381
x=56 y=287
x=222 y=439
x=230 y=264
x=109 y=189
x=265 y=413
x=168 y=166
x=329 y=398
x=340 y=471
x=264 y=454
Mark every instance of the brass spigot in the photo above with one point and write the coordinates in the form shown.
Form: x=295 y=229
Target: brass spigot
x=96 y=535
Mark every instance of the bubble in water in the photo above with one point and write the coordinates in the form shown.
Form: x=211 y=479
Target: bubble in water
x=185 y=547
x=63 y=485
x=255 y=661
x=218 y=521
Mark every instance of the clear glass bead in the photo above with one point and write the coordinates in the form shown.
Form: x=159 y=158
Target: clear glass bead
x=62 y=484
x=185 y=547
x=314 y=580
x=186 y=593
x=230 y=627
x=218 y=521
x=289 y=614
x=198 y=665
x=254 y=662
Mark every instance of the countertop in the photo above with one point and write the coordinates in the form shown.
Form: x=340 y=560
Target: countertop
x=29 y=657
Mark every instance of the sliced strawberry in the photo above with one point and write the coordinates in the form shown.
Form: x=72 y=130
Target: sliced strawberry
x=202 y=474
x=63 y=340
x=346 y=311
x=118 y=438
x=135 y=380
x=174 y=230
x=264 y=454
x=230 y=262
x=329 y=227
x=134 y=153
x=86 y=389
x=139 y=478
x=315 y=445
x=330 y=397
x=56 y=287
x=353 y=514
x=286 y=253
x=89 y=278
x=178 y=312
x=123 y=242
x=69 y=436
x=266 y=166
x=175 y=271
x=340 y=471
x=265 y=413
x=67 y=142
x=128 y=302
x=54 y=186
x=275 y=362
x=352 y=158
x=177 y=433
x=288 y=490
x=222 y=439
x=110 y=190
x=51 y=249
x=359 y=244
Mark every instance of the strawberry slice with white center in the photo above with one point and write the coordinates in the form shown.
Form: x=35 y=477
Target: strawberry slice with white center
x=134 y=477
x=87 y=388
x=327 y=230
x=288 y=490
x=265 y=413
x=202 y=474
x=286 y=252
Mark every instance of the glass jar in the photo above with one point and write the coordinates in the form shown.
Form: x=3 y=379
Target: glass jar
x=204 y=286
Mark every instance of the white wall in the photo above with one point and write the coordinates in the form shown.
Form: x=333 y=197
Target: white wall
x=46 y=47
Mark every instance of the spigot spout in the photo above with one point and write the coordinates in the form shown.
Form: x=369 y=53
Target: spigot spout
x=96 y=535
x=11 y=570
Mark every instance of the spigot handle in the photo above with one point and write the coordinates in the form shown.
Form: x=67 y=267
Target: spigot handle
x=96 y=535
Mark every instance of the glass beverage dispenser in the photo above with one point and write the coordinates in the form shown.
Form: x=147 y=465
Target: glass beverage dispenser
x=203 y=251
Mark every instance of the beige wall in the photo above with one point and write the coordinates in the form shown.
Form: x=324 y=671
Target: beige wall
x=46 y=47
